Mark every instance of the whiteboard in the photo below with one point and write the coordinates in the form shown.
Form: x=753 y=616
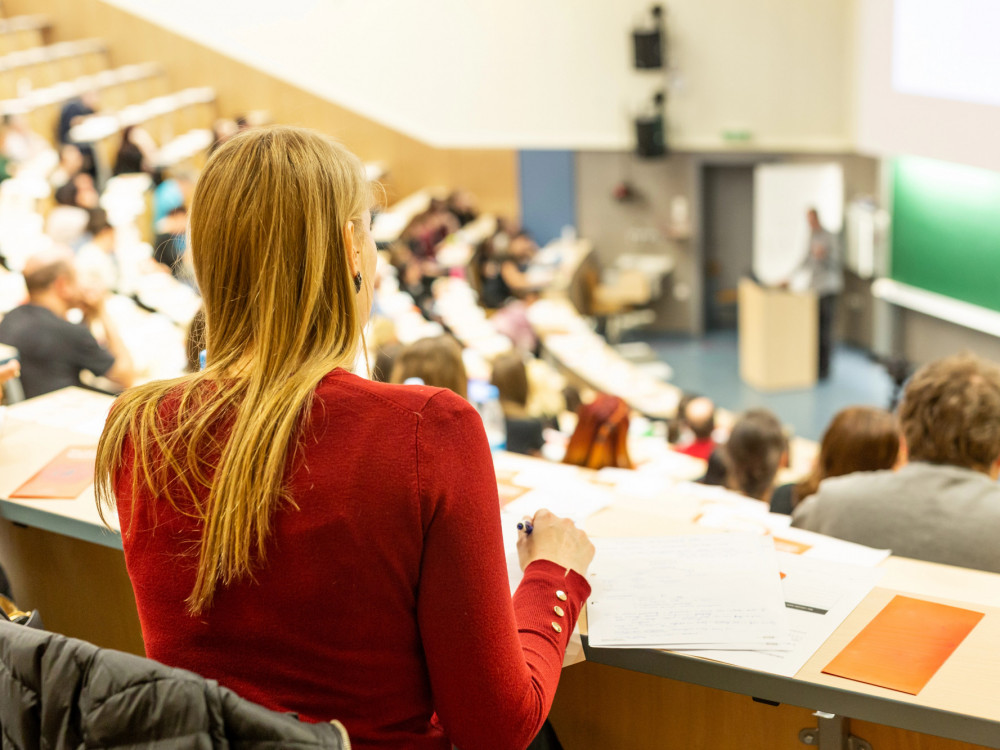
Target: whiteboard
x=783 y=194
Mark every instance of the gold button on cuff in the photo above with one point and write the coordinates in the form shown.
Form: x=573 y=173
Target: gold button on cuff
x=558 y=610
x=557 y=627
x=561 y=596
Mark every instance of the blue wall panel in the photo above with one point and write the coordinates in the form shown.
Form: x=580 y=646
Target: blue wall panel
x=548 y=192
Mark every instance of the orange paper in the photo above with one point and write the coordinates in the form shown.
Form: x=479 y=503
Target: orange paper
x=905 y=644
x=509 y=492
x=64 y=477
x=792 y=548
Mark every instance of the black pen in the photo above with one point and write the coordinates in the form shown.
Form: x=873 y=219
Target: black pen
x=524 y=526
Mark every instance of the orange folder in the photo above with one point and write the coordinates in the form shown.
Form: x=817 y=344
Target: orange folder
x=64 y=477
x=905 y=644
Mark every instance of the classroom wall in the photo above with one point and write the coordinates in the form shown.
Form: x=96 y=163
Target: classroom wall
x=491 y=174
x=890 y=122
x=555 y=75
x=642 y=225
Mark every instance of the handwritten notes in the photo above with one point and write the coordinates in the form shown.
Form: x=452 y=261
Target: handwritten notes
x=819 y=595
x=712 y=591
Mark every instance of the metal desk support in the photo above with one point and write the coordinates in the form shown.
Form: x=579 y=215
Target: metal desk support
x=832 y=733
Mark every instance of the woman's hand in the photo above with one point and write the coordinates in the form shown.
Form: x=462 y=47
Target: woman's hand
x=555 y=539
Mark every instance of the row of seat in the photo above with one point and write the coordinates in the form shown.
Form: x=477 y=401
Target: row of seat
x=22 y=32
x=24 y=70
x=165 y=118
x=117 y=87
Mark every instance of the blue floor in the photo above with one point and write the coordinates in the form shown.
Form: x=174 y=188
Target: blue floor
x=710 y=366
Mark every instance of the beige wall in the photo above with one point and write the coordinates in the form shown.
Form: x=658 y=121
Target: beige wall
x=554 y=74
x=491 y=174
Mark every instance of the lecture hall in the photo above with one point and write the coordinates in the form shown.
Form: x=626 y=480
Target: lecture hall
x=500 y=375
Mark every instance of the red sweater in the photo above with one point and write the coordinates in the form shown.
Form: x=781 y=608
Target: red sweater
x=384 y=600
x=698 y=449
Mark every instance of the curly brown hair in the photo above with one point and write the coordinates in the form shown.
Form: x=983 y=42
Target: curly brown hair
x=950 y=413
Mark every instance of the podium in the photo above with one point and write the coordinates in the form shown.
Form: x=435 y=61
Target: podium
x=778 y=337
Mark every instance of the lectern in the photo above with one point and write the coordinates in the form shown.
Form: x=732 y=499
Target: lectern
x=778 y=337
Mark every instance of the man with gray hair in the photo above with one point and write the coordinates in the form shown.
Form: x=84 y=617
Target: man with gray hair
x=51 y=350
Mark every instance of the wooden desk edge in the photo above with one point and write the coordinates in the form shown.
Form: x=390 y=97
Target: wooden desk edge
x=60 y=524
x=780 y=689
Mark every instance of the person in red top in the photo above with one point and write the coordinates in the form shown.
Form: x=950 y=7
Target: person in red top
x=699 y=417
x=318 y=542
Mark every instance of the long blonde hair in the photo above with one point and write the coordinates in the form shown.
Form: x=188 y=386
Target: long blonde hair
x=281 y=311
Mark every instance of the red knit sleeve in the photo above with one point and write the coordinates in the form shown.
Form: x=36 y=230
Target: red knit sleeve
x=494 y=664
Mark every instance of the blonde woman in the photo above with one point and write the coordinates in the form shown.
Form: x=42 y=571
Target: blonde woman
x=318 y=542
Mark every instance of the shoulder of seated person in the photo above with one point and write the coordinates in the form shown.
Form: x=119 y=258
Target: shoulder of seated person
x=411 y=398
x=860 y=483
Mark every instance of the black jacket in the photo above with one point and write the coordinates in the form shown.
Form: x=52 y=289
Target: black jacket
x=58 y=692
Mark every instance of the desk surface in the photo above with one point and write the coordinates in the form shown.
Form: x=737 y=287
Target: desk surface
x=33 y=433
x=959 y=702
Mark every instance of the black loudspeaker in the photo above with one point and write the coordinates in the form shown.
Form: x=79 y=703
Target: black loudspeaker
x=649 y=136
x=648 y=49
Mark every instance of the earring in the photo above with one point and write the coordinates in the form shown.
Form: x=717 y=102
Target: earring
x=357 y=283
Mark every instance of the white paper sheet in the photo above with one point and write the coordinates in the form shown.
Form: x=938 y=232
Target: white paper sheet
x=815 y=546
x=508 y=526
x=573 y=499
x=819 y=595
x=808 y=544
x=71 y=410
x=670 y=592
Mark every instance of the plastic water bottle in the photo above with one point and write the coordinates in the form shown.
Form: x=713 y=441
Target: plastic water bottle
x=486 y=399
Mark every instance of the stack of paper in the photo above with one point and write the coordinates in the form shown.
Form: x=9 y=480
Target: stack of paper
x=819 y=595
x=719 y=591
x=787 y=539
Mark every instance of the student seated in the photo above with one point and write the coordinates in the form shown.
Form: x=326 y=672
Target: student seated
x=318 y=542
x=601 y=435
x=944 y=505
x=860 y=438
x=699 y=417
x=53 y=352
x=756 y=449
x=505 y=273
x=524 y=432
x=437 y=361
x=96 y=262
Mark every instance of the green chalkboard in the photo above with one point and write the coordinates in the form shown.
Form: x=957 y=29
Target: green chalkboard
x=946 y=229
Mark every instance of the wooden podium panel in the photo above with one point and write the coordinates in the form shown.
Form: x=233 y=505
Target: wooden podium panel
x=778 y=337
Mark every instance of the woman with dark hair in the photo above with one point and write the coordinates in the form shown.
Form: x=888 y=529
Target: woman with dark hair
x=135 y=155
x=320 y=543
x=756 y=449
x=860 y=438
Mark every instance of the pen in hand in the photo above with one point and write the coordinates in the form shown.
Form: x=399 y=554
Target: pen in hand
x=524 y=526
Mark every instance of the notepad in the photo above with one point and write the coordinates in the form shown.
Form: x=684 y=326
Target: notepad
x=905 y=644
x=718 y=591
x=64 y=477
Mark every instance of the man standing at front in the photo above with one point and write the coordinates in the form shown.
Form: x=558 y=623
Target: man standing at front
x=826 y=279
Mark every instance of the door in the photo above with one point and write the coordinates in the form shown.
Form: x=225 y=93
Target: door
x=727 y=200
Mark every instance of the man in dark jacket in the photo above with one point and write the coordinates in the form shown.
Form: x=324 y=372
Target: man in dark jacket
x=59 y=692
